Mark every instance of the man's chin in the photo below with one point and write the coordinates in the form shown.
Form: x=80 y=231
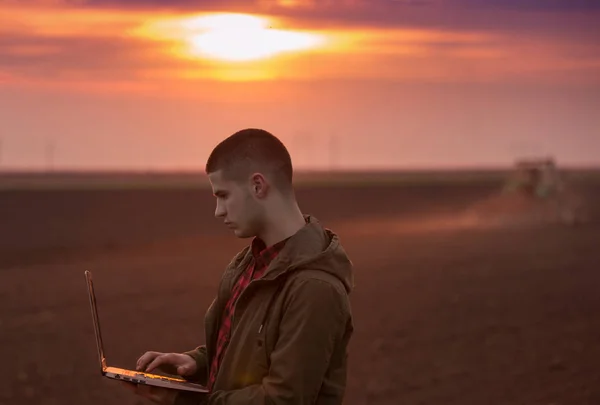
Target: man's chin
x=240 y=234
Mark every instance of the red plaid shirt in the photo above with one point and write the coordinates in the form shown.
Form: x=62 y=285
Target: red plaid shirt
x=262 y=257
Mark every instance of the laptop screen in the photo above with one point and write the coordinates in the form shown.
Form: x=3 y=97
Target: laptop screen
x=92 y=296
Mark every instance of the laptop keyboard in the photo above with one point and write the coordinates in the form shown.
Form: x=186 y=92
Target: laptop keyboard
x=157 y=377
x=146 y=375
x=130 y=375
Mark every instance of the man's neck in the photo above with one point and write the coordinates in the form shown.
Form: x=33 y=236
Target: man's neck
x=283 y=226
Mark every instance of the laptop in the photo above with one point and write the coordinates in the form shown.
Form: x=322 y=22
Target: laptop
x=131 y=375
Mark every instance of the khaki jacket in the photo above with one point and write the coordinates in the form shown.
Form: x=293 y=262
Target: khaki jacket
x=290 y=328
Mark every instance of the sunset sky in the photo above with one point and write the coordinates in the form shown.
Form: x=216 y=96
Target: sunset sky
x=142 y=84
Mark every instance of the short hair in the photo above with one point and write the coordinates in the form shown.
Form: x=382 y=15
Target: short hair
x=252 y=150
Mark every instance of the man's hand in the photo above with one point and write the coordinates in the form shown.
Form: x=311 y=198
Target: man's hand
x=179 y=363
x=158 y=395
x=172 y=363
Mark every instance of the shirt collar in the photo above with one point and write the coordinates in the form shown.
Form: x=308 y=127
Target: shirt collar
x=263 y=254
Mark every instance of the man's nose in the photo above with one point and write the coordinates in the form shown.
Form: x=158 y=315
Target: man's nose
x=219 y=212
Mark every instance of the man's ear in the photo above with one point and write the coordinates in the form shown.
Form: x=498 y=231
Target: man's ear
x=259 y=184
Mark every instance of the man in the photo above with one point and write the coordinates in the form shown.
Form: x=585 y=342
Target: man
x=279 y=328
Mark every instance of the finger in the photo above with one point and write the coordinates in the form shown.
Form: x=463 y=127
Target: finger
x=145 y=359
x=159 y=360
x=184 y=370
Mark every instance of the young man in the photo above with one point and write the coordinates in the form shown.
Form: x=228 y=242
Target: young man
x=279 y=328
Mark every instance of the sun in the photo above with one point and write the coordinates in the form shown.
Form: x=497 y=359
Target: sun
x=239 y=37
x=231 y=37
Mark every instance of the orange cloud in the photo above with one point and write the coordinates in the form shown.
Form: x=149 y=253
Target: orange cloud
x=149 y=50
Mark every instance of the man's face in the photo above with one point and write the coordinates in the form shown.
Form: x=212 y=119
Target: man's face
x=236 y=205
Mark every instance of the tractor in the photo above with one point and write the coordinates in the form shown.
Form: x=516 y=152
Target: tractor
x=534 y=193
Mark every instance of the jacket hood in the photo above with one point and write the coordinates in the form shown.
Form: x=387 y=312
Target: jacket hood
x=314 y=247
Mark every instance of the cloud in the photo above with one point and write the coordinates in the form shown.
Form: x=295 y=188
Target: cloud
x=63 y=56
x=65 y=43
x=532 y=17
x=531 y=5
x=543 y=5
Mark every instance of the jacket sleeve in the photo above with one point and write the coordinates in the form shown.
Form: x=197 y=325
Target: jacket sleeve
x=200 y=377
x=199 y=355
x=314 y=319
